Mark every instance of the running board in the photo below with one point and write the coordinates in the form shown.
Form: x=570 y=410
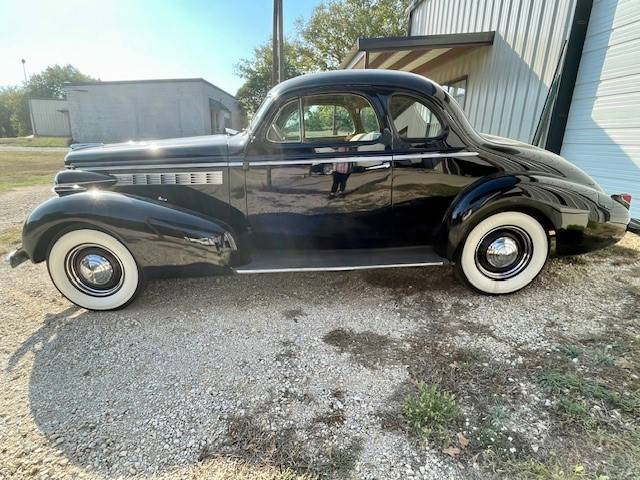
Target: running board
x=276 y=261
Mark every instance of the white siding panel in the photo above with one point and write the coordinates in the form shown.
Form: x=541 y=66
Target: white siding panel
x=509 y=81
x=51 y=117
x=603 y=128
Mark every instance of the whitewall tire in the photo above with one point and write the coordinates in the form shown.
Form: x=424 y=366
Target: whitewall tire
x=94 y=270
x=503 y=253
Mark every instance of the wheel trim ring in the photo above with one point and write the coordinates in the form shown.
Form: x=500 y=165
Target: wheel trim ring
x=525 y=253
x=73 y=259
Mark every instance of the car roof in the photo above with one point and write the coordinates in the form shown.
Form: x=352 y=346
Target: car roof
x=342 y=78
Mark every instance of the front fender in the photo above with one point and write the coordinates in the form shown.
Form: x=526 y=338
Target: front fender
x=157 y=234
x=579 y=218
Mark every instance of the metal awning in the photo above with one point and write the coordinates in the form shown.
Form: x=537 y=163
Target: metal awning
x=413 y=54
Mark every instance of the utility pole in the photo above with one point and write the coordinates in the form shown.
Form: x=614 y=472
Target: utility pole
x=26 y=89
x=278 y=73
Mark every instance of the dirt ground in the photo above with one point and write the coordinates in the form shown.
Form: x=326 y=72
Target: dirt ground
x=374 y=374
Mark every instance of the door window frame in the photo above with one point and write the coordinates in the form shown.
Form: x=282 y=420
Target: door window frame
x=305 y=143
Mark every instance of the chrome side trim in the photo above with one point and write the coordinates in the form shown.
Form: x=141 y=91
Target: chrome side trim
x=147 y=166
x=409 y=156
x=319 y=161
x=265 y=163
x=336 y=269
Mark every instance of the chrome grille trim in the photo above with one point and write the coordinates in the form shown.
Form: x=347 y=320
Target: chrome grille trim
x=172 y=178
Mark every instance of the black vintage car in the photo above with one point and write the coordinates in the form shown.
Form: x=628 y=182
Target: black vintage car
x=337 y=171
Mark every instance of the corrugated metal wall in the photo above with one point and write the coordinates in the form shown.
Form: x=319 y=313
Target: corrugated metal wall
x=51 y=117
x=508 y=82
x=603 y=129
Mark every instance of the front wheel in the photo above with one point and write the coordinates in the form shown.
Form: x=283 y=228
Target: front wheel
x=94 y=270
x=503 y=253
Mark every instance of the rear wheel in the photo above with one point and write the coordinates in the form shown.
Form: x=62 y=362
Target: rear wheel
x=503 y=253
x=94 y=270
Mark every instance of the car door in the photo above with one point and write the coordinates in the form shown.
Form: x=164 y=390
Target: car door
x=318 y=174
x=430 y=166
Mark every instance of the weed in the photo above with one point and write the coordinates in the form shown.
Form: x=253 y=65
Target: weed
x=576 y=413
x=571 y=351
x=602 y=357
x=432 y=412
x=248 y=441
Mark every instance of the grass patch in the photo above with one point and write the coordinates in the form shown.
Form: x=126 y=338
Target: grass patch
x=560 y=382
x=532 y=469
x=36 y=141
x=22 y=169
x=574 y=412
x=10 y=239
x=433 y=413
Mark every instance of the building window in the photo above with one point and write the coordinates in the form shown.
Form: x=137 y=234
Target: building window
x=413 y=119
x=457 y=89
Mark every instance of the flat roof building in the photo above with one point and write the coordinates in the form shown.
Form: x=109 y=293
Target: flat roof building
x=119 y=111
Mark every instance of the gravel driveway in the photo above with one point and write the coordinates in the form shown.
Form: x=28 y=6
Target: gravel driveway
x=253 y=376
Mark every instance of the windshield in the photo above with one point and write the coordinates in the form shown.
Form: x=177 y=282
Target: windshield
x=259 y=113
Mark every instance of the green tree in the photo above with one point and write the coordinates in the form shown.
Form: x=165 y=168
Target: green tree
x=335 y=26
x=49 y=83
x=14 y=105
x=257 y=72
x=14 y=112
x=321 y=43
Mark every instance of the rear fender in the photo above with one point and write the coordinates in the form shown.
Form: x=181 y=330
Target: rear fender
x=576 y=217
x=157 y=234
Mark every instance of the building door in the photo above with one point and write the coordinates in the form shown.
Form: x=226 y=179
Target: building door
x=603 y=128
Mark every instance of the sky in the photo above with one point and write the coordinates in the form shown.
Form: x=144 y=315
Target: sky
x=138 y=39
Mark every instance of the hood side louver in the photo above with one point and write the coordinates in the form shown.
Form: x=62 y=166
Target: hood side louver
x=179 y=178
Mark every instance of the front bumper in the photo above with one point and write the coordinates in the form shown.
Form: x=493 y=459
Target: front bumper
x=16 y=257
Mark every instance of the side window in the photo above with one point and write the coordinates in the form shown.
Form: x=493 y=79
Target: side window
x=413 y=119
x=344 y=117
x=285 y=126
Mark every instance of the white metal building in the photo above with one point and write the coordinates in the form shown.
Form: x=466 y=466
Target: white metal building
x=149 y=109
x=50 y=117
x=562 y=74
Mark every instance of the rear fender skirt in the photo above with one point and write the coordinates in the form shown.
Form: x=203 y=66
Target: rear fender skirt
x=157 y=234
x=580 y=218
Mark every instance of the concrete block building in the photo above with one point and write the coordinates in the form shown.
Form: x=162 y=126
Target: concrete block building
x=119 y=111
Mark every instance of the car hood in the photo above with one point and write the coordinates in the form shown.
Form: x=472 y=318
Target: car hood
x=535 y=159
x=192 y=149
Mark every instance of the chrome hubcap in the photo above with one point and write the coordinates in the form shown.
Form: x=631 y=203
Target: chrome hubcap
x=96 y=269
x=502 y=252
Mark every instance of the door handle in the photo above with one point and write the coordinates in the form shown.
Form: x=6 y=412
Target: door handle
x=378 y=167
